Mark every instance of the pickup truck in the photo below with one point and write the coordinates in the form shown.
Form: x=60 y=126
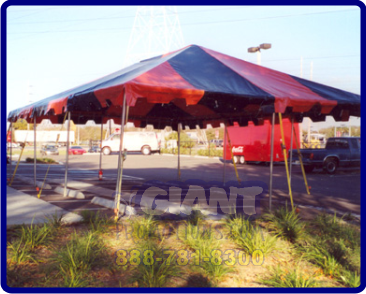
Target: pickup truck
x=338 y=152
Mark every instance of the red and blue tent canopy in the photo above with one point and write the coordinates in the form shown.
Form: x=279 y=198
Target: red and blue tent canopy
x=194 y=86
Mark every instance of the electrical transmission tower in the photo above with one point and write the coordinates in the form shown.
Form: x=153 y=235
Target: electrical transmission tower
x=156 y=30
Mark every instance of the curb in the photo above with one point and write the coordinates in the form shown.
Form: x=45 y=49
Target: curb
x=70 y=193
x=31 y=181
x=110 y=204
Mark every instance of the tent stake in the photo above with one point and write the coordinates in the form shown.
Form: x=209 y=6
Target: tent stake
x=271 y=163
x=35 y=151
x=120 y=160
x=67 y=152
x=283 y=146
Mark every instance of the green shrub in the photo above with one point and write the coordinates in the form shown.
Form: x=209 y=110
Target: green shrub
x=78 y=257
x=199 y=237
x=216 y=272
x=286 y=223
x=249 y=236
x=350 y=279
x=153 y=273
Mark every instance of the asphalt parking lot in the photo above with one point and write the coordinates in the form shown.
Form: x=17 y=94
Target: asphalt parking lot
x=340 y=192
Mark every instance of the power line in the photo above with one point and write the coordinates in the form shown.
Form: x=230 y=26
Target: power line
x=117 y=17
x=188 y=24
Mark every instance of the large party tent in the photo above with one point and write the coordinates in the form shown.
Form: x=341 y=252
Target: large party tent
x=194 y=86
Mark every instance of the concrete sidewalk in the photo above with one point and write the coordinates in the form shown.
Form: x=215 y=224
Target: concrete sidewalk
x=22 y=208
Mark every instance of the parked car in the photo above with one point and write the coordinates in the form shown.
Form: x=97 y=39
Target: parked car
x=74 y=150
x=217 y=142
x=49 y=150
x=338 y=152
x=94 y=149
x=145 y=142
x=12 y=145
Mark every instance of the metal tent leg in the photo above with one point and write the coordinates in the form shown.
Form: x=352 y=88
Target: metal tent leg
x=100 y=155
x=292 y=140
x=67 y=152
x=179 y=130
x=120 y=160
x=224 y=154
x=271 y=163
x=283 y=145
x=35 y=150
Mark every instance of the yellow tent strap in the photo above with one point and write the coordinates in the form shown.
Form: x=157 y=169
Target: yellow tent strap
x=283 y=146
x=16 y=167
x=232 y=155
x=45 y=177
x=40 y=191
x=301 y=163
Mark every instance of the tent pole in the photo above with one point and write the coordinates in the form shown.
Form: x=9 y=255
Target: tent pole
x=301 y=164
x=271 y=163
x=100 y=155
x=179 y=129
x=11 y=146
x=35 y=150
x=283 y=146
x=292 y=141
x=120 y=159
x=67 y=152
x=225 y=146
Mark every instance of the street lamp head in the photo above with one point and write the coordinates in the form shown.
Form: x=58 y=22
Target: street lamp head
x=265 y=46
x=253 y=49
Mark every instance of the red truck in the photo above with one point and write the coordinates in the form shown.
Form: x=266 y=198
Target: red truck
x=253 y=143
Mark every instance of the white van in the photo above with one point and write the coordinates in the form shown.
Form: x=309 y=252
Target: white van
x=146 y=142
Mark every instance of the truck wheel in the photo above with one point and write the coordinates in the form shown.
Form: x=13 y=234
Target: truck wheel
x=107 y=151
x=330 y=166
x=241 y=159
x=235 y=159
x=308 y=168
x=145 y=150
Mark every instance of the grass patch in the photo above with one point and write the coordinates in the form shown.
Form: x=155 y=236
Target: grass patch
x=216 y=272
x=143 y=228
x=330 y=227
x=249 y=236
x=35 y=235
x=78 y=257
x=151 y=273
x=350 y=279
x=96 y=222
x=289 y=278
x=199 y=237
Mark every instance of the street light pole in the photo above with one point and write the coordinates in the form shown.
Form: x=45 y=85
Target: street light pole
x=257 y=49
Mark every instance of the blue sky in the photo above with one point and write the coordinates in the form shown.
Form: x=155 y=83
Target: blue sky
x=54 y=48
